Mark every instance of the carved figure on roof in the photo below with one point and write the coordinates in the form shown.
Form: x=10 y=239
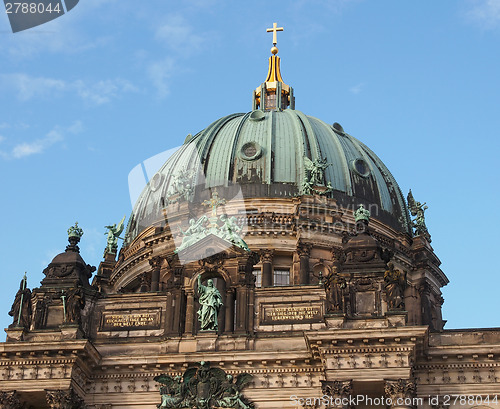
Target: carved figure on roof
x=417 y=210
x=210 y=302
x=113 y=233
x=75 y=302
x=230 y=231
x=21 y=308
x=335 y=286
x=195 y=232
x=316 y=170
x=307 y=187
x=182 y=185
x=395 y=284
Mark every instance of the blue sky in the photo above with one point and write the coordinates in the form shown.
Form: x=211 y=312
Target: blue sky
x=88 y=96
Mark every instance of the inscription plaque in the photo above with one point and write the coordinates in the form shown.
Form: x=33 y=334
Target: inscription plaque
x=291 y=313
x=126 y=320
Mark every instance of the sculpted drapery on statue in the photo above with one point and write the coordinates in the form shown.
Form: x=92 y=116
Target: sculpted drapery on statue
x=21 y=308
x=395 y=284
x=210 y=302
x=335 y=286
x=75 y=302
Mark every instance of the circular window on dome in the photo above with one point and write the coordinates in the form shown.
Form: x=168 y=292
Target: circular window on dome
x=155 y=182
x=360 y=167
x=338 y=128
x=257 y=115
x=251 y=151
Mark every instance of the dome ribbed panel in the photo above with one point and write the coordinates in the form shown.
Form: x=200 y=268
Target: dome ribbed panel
x=286 y=151
x=220 y=159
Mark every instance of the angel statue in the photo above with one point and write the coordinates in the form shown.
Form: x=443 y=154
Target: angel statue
x=203 y=387
x=231 y=396
x=231 y=231
x=194 y=233
x=316 y=170
x=113 y=233
x=417 y=209
x=172 y=391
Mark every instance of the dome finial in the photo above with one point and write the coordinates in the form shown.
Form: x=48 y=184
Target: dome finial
x=274 y=30
x=273 y=94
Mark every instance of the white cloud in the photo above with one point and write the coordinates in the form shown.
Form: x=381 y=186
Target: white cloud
x=485 y=12
x=57 y=134
x=102 y=91
x=2 y=138
x=28 y=87
x=159 y=73
x=356 y=89
x=176 y=33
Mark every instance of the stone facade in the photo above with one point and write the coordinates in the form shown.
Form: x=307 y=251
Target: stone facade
x=126 y=334
x=323 y=303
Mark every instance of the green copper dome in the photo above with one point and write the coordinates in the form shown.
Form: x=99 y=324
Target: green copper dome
x=272 y=154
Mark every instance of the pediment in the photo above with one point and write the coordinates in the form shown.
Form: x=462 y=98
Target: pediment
x=208 y=246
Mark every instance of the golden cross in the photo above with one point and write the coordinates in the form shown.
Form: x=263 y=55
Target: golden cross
x=214 y=202
x=274 y=30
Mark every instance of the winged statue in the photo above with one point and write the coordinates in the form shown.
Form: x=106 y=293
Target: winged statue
x=203 y=387
x=316 y=170
x=417 y=210
x=113 y=233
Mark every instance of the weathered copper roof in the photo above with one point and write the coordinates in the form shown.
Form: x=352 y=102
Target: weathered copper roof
x=264 y=153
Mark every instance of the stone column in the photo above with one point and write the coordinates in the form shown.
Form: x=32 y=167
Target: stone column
x=189 y=313
x=241 y=310
x=155 y=263
x=10 y=400
x=176 y=308
x=339 y=393
x=266 y=257
x=304 y=252
x=63 y=399
x=401 y=393
x=229 y=321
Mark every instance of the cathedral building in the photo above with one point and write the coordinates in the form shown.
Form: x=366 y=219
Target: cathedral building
x=271 y=262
